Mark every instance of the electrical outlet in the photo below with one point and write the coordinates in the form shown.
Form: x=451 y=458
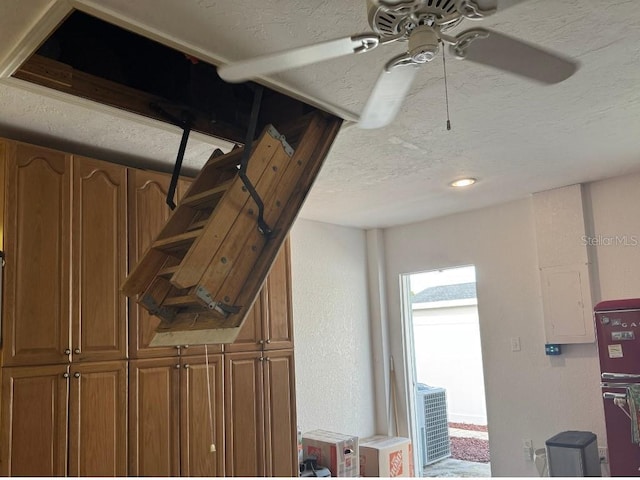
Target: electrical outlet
x=603 y=453
x=515 y=344
x=527 y=450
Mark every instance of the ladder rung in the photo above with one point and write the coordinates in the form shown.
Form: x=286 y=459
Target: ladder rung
x=208 y=198
x=177 y=242
x=168 y=271
x=183 y=300
x=198 y=225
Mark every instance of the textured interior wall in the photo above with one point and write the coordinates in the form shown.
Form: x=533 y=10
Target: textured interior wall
x=334 y=379
x=529 y=395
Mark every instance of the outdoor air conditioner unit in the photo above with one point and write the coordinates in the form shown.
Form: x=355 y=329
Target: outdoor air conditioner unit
x=433 y=425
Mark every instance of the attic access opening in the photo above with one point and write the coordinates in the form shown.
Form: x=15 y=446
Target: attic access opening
x=90 y=58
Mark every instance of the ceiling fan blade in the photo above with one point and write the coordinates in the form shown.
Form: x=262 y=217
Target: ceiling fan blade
x=515 y=56
x=387 y=96
x=297 y=57
x=496 y=4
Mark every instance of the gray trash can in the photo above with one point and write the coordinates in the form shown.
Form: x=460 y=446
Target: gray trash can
x=573 y=454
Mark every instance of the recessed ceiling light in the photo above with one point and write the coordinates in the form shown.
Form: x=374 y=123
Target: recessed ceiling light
x=463 y=182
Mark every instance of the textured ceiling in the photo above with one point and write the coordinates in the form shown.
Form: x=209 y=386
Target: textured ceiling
x=516 y=137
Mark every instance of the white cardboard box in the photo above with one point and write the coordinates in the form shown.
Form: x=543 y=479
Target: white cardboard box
x=336 y=451
x=382 y=456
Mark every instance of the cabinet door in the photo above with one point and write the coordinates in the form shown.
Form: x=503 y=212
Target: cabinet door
x=98 y=419
x=37 y=244
x=244 y=415
x=99 y=260
x=280 y=419
x=278 y=318
x=200 y=427
x=154 y=417
x=250 y=338
x=148 y=213
x=34 y=421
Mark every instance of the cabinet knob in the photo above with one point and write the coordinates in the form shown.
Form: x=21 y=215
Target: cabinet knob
x=77 y=374
x=267 y=359
x=269 y=340
x=67 y=351
x=261 y=359
x=185 y=346
x=178 y=366
x=186 y=365
x=65 y=375
x=76 y=351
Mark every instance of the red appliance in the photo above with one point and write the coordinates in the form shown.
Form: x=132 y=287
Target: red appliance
x=618 y=332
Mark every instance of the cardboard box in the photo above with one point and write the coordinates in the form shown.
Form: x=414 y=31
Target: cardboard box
x=336 y=451
x=382 y=456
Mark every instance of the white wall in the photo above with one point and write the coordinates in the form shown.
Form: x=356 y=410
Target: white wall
x=334 y=377
x=529 y=395
x=448 y=355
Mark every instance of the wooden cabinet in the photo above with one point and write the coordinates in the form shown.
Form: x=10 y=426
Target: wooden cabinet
x=277 y=323
x=99 y=261
x=280 y=419
x=269 y=324
x=34 y=419
x=71 y=402
x=37 y=248
x=199 y=431
x=57 y=415
x=41 y=231
x=260 y=414
x=169 y=429
x=98 y=419
x=154 y=417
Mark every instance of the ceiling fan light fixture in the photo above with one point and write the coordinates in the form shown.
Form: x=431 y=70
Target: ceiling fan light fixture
x=463 y=182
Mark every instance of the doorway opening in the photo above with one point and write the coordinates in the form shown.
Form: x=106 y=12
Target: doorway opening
x=444 y=361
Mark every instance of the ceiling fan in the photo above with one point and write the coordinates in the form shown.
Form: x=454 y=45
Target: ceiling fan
x=423 y=25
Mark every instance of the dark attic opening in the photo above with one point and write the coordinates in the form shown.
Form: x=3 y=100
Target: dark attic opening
x=93 y=59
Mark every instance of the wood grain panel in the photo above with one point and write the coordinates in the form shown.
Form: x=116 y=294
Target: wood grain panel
x=36 y=326
x=98 y=419
x=99 y=325
x=196 y=432
x=154 y=417
x=280 y=423
x=244 y=415
x=278 y=312
x=34 y=421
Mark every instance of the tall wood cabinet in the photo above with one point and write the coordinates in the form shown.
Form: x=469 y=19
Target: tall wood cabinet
x=37 y=239
x=63 y=317
x=260 y=414
x=83 y=393
x=169 y=425
x=98 y=261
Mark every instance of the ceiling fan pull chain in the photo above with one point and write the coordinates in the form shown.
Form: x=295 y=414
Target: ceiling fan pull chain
x=446 y=90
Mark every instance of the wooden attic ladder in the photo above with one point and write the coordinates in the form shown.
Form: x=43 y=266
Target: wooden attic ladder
x=206 y=267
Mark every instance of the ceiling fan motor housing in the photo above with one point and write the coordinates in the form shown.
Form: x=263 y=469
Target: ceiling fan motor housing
x=423 y=44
